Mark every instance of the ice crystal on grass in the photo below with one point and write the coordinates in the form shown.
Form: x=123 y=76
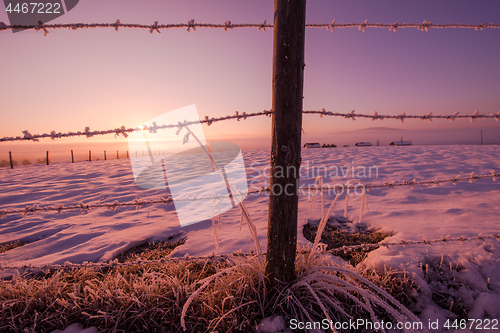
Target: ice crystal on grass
x=325 y=290
x=214 y=294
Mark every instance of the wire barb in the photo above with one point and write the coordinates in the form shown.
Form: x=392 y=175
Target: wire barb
x=263 y=26
x=394 y=26
x=331 y=26
x=191 y=25
x=40 y=26
x=425 y=25
x=363 y=26
x=228 y=25
x=154 y=27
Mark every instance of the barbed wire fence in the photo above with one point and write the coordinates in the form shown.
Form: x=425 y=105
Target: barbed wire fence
x=139 y=203
x=238 y=254
x=243 y=115
x=228 y=25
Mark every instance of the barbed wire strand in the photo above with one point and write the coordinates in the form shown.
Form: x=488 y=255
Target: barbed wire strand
x=138 y=203
x=424 y=26
x=401 y=117
x=228 y=25
x=237 y=254
x=125 y=131
x=239 y=116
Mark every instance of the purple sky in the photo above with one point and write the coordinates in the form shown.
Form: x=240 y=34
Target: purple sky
x=104 y=79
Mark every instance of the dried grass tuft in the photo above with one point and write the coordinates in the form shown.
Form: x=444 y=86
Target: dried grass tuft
x=442 y=274
x=9 y=246
x=334 y=236
x=325 y=290
x=208 y=295
x=138 y=298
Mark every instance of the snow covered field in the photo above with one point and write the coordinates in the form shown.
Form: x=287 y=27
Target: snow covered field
x=465 y=209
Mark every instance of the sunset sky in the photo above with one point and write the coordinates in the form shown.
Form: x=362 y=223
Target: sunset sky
x=104 y=79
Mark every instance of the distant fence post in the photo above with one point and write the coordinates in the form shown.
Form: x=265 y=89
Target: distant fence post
x=105 y=155
x=47 y=157
x=117 y=157
x=90 y=156
x=287 y=95
x=10 y=158
x=128 y=154
x=72 y=157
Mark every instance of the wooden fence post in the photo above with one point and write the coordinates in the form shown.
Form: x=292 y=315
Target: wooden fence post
x=105 y=155
x=117 y=156
x=128 y=154
x=47 y=157
x=72 y=157
x=90 y=156
x=10 y=158
x=287 y=95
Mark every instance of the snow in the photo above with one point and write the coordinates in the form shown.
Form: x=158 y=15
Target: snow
x=272 y=324
x=77 y=328
x=465 y=209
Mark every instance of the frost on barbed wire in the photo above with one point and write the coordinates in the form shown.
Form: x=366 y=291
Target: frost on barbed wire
x=228 y=25
x=140 y=203
x=243 y=115
x=191 y=24
x=29 y=136
x=58 y=135
x=401 y=117
x=343 y=249
x=83 y=207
